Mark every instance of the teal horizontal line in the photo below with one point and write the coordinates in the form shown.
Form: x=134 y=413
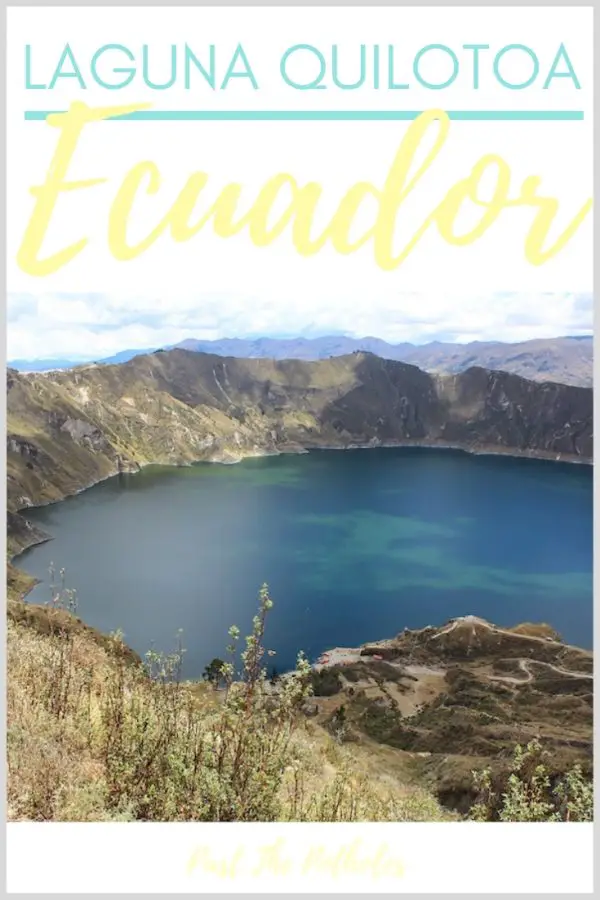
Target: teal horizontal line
x=329 y=115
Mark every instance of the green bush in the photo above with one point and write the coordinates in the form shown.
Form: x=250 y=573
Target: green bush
x=528 y=793
x=325 y=683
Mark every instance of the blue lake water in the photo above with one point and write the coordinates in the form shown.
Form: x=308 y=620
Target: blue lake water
x=355 y=546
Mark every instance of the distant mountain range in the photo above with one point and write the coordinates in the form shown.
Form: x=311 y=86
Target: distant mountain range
x=567 y=360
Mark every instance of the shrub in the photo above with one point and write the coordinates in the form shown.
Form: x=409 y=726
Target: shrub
x=147 y=750
x=528 y=793
x=325 y=683
x=167 y=762
x=95 y=734
x=213 y=672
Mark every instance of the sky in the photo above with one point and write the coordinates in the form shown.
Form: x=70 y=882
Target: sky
x=209 y=287
x=94 y=325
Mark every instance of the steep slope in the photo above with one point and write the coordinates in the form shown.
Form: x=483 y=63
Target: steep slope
x=68 y=430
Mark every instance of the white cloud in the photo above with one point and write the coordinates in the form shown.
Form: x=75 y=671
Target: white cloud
x=96 y=325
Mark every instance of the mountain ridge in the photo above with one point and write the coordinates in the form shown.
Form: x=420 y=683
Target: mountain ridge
x=67 y=430
x=567 y=360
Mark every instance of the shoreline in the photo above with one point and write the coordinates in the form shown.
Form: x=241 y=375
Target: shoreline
x=484 y=450
x=534 y=455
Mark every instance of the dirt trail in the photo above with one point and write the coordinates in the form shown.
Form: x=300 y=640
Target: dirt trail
x=475 y=620
x=524 y=664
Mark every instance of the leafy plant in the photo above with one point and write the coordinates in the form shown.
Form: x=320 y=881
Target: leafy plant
x=530 y=794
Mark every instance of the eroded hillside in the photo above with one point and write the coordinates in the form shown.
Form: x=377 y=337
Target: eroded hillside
x=68 y=430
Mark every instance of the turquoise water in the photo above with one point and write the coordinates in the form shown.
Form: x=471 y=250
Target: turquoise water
x=355 y=546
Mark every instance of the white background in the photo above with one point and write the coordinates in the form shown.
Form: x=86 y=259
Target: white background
x=438 y=858
x=335 y=154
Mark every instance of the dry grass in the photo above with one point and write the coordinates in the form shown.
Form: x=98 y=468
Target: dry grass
x=95 y=735
x=54 y=693
x=18 y=583
x=537 y=629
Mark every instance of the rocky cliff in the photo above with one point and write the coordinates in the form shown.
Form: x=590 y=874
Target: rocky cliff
x=68 y=430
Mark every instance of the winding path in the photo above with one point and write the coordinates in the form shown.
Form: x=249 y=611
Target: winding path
x=524 y=665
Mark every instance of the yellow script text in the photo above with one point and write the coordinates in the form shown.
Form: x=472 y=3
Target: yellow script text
x=185 y=218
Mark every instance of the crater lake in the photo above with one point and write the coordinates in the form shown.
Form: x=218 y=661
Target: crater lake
x=354 y=545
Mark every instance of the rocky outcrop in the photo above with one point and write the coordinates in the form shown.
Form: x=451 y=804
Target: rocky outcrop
x=461 y=696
